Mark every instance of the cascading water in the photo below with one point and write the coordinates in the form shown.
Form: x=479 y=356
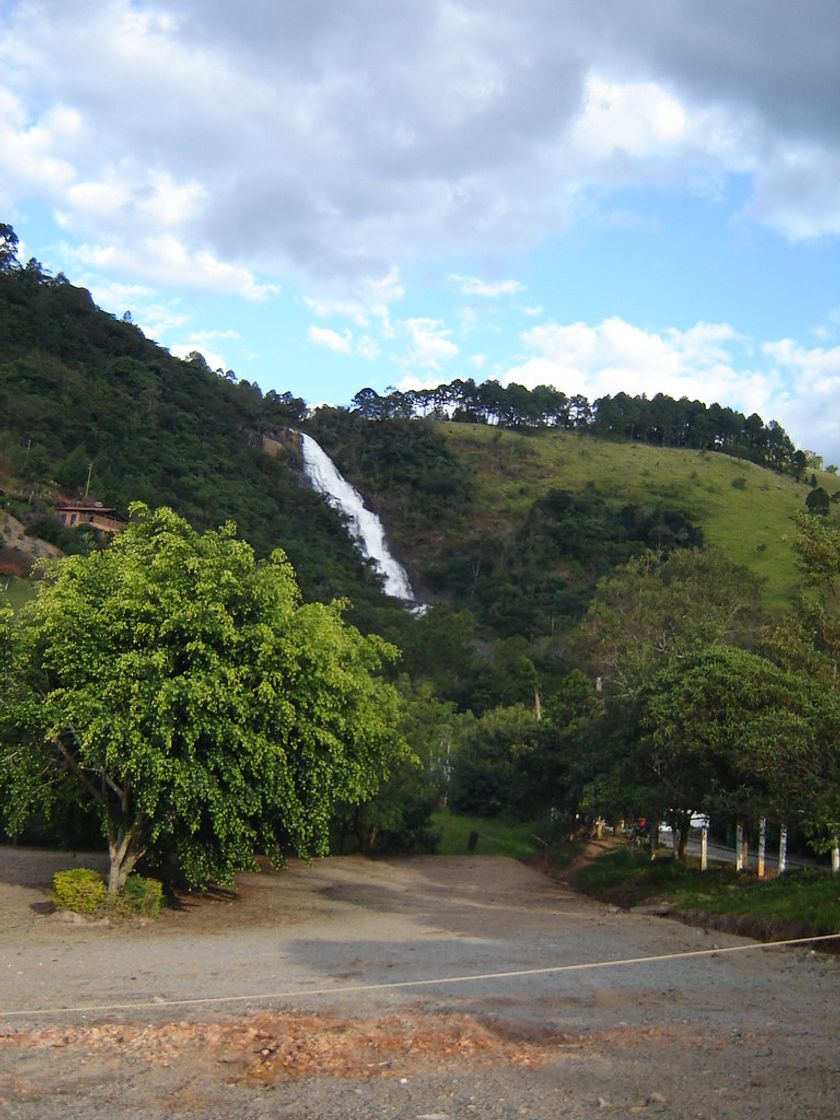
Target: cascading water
x=365 y=526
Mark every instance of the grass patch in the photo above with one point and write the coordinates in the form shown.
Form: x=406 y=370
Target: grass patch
x=16 y=592
x=800 y=900
x=497 y=836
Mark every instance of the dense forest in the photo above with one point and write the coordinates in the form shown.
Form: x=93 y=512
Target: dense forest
x=595 y=643
x=80 y=389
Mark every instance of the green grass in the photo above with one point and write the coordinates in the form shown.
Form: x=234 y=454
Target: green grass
x=744 y=510
x=497 y=836
x=807 y=900
x=18 y=592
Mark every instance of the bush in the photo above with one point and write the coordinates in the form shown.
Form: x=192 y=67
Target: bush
x=81 y=890
x=140 y=896
x=84 y=891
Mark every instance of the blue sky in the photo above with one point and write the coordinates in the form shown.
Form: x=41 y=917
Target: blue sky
x=639 y=196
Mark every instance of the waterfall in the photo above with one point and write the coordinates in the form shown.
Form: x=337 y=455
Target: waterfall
x=364 y=525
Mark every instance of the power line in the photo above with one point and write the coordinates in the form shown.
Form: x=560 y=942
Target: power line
x=391 y=985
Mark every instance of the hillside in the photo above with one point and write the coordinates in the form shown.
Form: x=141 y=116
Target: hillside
x=742 y=509
x=519 y=526
x=83 y=392
x=516 y=525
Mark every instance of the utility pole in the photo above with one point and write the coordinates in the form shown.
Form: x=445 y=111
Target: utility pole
x=87 y=484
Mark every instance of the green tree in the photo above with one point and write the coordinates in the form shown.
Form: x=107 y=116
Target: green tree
x=397 y=818
x=818 y=502
x=727 y=730
x=492 y=770
x=8 y=248
x=653 y=610
x=183 y=688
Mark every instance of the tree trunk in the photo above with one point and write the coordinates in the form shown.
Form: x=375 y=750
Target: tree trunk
x=124 y=849
x=683 y=842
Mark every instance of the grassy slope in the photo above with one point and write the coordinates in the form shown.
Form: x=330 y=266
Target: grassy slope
x=797 y=904
x=750 y=521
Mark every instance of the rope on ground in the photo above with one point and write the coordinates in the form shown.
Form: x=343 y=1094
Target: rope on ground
x=391 y=985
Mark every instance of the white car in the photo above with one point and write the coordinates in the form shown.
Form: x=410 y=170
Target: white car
x=698 y=820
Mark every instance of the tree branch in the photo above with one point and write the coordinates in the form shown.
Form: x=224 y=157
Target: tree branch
x=77 y=769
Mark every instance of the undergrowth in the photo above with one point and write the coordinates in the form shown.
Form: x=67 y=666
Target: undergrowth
x=807 y=900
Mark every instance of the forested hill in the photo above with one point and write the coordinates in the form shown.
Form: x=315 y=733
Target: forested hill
x=79 y=387
x=519 y=525
x=512 y=509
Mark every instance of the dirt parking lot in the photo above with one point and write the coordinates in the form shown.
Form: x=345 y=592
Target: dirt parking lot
x=342 y=990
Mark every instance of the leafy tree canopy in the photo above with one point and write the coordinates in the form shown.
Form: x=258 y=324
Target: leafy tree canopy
x=181 y=687
x=727 y=730
x=651 y=610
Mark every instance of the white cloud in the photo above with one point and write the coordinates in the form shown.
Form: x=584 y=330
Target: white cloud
x=101 y=200
x=158 y=320
x=637 y=118
x=166 y=261
x=30 y=159
x=473 y=286
x=337 y=308
x=114 y=295
x=616 y=356
x=810 y=393
x=197 y=343
x=298 y=142
x=369 y=302
x=331 y=340
x=797 y=193
x=412 y=383
x=368 y=348
x=431 y=344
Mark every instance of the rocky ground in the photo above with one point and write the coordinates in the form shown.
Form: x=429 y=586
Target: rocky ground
x=342 y=991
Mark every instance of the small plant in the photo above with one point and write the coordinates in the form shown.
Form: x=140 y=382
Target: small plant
x=81 y=890
x=140 y=896
x=739 y=483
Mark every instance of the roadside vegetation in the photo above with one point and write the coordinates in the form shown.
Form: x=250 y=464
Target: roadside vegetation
x=798 y=903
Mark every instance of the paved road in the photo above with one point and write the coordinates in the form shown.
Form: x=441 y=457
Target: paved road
x=721 y=853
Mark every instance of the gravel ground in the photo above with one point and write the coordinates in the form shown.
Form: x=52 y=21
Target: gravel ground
x=259 y=1004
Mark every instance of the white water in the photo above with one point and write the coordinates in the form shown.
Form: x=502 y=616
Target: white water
x=365 y=526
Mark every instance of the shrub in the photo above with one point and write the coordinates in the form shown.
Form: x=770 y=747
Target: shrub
x=81 y=890
x=140 y=896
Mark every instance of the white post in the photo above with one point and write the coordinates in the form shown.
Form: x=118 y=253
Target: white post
x=762 y=845
x=782 y=849
x=739 y=847
x=704 y=848
x=835 y=855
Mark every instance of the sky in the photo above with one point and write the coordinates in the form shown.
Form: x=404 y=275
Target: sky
x=621 y=195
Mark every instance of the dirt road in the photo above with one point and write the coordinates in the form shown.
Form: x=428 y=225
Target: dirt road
x=304 y=995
